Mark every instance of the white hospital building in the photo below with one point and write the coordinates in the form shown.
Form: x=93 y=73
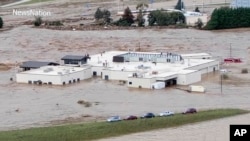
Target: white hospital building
x=137 y=69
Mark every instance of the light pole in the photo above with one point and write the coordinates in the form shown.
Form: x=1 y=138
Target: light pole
x=181 y=5
x=194 y=4
x=202 y=6
x=221 y=75
x=230 y=51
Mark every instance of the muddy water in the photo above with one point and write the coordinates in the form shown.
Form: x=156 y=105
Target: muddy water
x=26 y=43
x=25 y=106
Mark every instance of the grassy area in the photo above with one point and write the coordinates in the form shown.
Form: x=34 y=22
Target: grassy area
x=91 y=131
x=35 y=1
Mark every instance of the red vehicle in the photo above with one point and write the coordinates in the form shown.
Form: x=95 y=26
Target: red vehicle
x=131 y=117
x=190 y=111
x=232 y=60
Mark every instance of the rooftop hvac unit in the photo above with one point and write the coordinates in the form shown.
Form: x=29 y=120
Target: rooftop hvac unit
x=48 y=70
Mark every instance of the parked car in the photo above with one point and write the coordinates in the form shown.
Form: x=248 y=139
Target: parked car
x=148 y=115
x=190 y=111
x=166 y=113
x=131 y=117
x=113 y=119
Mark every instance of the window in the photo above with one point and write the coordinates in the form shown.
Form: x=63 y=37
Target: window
x=106 y=77
x=140 y=59
x=74 y=81
x=63 y=83
x=69 y=81
x=78 y=79
x=130 y=83
x=30 y=82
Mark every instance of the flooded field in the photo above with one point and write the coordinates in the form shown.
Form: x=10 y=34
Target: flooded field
x=29 y=105
x=24 y=106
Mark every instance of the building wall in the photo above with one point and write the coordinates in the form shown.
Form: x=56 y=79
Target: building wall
x=190 y=78
x=82 y=75
x=96 y=69
x=191 y=20
x=25 y=78
x=54 y=79
x=116 y=75
x=206 y=68
x=140 y=82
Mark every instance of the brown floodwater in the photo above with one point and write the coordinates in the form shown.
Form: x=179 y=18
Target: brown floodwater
x=25 y=106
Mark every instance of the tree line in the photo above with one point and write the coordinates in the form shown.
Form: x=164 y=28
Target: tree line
x=225 y=18
x=158 y=17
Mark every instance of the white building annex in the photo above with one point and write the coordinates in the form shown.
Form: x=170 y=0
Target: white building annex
x=54 y=75
x=138 y=69
x=144 y=69
x=74 y=69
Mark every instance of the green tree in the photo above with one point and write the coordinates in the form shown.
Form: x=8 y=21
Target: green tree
x=162 y=18
x=98 y=14
x=225 y=17
x=141 y=7
x=152 y=17
x=179 y=5
x=127 y=18
x=1 y=22
x=102 y=16
x=177 y=17
x=38 y=21
x=106 y=16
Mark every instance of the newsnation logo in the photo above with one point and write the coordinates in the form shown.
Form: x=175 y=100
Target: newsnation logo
x=239 y=132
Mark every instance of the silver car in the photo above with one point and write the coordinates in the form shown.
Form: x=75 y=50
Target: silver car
x=166 y=113
x=113 y=119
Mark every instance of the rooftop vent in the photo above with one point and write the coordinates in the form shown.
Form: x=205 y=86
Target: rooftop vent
x=48 y=70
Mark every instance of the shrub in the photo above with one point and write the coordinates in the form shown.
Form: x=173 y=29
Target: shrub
x=38 y=21
x=85 y=103
x=245 y=70
x=162 y=18
x=122 y=22
x=199 y=23
x=225 y=76
x=1 y=22
x=102 y=16
x=54 y=23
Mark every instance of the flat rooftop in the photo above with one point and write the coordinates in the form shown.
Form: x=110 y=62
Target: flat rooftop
x=146 y=68
x=55 y=70
x=99 y=59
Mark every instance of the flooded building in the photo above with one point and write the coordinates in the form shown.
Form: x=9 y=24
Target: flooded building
x=145 y=69
x=54 y=75
x=28 y=65
x=138 y=69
